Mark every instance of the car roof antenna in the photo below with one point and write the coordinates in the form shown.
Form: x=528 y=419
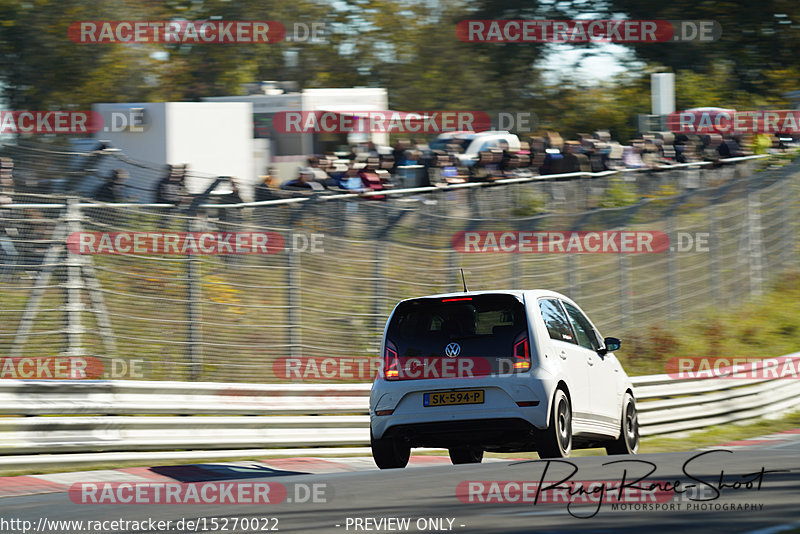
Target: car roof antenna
x=464 y=280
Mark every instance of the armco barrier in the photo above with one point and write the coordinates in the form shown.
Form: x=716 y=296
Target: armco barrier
x=97 y=416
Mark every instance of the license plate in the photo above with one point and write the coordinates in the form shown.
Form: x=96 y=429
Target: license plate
x=451 y=398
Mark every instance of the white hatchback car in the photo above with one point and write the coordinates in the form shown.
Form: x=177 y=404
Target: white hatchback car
x=500 y=371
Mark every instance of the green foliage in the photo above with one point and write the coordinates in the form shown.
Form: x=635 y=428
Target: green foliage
x=529 y=205
x=410 y=48
x=619 y=194
x=765 y=328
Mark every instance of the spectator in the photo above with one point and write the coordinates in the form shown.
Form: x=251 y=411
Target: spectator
x=315 y=164
x=631 y=156
x=113 y=190
x=485 y=169
x=398 y=153
x=353 y=154
x=370 y=179
x=729 y=148
x=574 y=160
x=264 y=191
x=171 y=189
x=385 y=170
x=553 y=162
x=231 y=216
x=351 y=179
x=649 y=154
x=304 y=180
x=711 y=145
x=454 y=171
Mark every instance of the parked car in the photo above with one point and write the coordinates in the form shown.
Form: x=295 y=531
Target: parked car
x=500 y=371
x=488 y=140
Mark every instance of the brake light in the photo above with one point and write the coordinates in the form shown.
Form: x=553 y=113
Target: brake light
x=457 y=299
x=390 y=364
x=522 y=355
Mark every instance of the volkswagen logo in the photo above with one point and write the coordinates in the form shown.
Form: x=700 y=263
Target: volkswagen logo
x=452 y=350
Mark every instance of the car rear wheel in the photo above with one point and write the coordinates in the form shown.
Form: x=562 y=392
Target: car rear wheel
x=466 y=455
x=390 y=453
x=628 y=441
x=556 y=441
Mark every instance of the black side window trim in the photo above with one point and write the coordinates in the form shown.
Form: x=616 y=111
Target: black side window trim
x=594 y=332
x=560 y=306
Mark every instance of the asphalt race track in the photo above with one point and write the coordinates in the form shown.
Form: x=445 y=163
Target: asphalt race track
x=746 y=488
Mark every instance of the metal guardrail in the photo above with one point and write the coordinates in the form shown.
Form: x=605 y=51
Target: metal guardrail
x=99 y=416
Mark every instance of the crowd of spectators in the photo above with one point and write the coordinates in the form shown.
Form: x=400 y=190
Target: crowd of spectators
x=412 y=163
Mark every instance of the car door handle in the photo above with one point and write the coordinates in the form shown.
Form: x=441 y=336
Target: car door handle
x=563 y=355
x=590 y=361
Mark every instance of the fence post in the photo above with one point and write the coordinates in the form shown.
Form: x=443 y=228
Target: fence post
x=49 y=265
x=380 y=286
x=787 y=223
x=74 y=306
x=624 y=288
x=714 y=253
x=754 y=245
x=672 y=285
x=292 y=284
x=194 y=313
x=453 y=281
x=573 y=281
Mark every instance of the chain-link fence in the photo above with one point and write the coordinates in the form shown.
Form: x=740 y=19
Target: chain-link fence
x=344 y=263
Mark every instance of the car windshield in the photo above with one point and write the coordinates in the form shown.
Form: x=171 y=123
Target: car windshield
x=442 y=144
x=483 y=325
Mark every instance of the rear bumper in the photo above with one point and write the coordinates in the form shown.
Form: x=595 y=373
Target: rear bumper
x=490 y=434
x=500 y=419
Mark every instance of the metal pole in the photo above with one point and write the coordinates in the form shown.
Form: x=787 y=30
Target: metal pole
x=624 y=289
x=672 y=268
x=573 y=281
x=753 y=219
x=49 y=263
x=74 y=307
x=380 y=286
x=293 y=302
x=714 y=252
x=194 y=312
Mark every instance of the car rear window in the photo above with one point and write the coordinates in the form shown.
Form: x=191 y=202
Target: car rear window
x=484 y=325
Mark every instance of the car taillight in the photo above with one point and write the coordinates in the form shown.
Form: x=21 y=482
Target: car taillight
x=522 y=355
x=390 y=364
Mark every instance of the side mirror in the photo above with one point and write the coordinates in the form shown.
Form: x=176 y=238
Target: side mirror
x=611 y=344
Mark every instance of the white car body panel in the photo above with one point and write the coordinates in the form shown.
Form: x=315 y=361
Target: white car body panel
x=596 y=385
